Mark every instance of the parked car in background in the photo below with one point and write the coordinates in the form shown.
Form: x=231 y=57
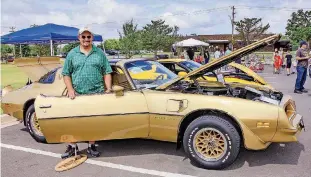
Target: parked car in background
x=6 y=59
x=112 y=52
x=162 y=56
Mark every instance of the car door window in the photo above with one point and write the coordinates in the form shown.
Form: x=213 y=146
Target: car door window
x=178 y=68
x=49 y=77
x=170 y=66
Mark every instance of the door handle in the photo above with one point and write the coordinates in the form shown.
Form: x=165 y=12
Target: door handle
x=45 y=106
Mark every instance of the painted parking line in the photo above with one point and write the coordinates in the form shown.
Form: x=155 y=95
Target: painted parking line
x=96 y=162
x=9 y=124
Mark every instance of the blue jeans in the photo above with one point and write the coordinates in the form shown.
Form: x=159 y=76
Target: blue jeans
x=206 y=60
x=301 y=77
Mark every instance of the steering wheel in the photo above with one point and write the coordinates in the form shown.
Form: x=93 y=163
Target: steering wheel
x=162 y=76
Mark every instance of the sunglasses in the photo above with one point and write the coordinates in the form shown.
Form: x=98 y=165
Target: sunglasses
x=89 y=37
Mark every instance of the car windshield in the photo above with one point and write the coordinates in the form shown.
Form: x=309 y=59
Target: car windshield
x=148 y=74
x=191 y=65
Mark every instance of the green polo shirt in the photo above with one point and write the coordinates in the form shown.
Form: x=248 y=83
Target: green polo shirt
x=87 y=71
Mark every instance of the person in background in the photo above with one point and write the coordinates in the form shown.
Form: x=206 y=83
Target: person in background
x=221 y=53
x=199 y=59
x=277 y=62
x=302 y=56
x=185 y=54
x=217 y=53
x=275 y=52
x=288 y=57
x=228 y=51
x=174 y=50
x=206 y=56
x=281 y=53
x=190 y=53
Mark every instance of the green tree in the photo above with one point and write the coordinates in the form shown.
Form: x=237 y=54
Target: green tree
x=112 y=44
x=299 y=26
x=250 y=29
x=5 y=50
x=158 y=36
x=70 y=46
x=41 y=50
x=26 y=51
x=130 y=38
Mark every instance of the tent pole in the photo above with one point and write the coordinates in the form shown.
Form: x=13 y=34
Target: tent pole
x=51 y=47
x=20 y=50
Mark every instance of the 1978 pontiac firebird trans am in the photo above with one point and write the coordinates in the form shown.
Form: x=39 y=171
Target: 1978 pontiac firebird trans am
x=210 y=121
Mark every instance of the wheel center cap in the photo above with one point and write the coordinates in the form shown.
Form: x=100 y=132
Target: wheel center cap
x=211 y=143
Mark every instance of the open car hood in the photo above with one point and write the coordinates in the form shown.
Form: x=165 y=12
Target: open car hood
x=249 y=72
x=216 y=64
x=35 y=68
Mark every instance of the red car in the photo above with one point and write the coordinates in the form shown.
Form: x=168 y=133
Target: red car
x=10 y=59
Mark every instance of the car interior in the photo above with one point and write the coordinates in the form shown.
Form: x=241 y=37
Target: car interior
x=174 y=67
x=119 y=78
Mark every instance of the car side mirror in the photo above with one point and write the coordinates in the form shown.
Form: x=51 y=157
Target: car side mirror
x=182 y=73
x=118 y=90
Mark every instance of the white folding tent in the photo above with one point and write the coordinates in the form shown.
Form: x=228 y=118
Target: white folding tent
x=191 y=43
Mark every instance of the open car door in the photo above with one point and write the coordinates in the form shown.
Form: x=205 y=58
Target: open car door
x=93 y=117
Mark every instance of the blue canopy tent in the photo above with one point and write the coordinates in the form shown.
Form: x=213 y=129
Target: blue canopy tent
x=45 y=34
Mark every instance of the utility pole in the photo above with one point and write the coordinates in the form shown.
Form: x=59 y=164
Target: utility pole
x=13 y=30
x=232 y=24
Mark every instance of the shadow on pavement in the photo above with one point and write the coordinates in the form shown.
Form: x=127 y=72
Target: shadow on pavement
x=117 y=148
x=274 y=154
x=24 y=129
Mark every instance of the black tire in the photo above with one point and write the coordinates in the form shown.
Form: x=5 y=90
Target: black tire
x=30 y=123
x=225 y=134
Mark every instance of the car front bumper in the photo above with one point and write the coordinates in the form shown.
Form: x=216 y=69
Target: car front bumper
x=290 y=134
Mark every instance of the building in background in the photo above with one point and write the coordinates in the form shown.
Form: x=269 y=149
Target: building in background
x=224 y=40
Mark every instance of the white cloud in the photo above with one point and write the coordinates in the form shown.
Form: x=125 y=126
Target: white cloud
x=107 y=16
x=25 y=12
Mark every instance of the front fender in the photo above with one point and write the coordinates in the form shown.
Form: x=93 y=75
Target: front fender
x=257 y=120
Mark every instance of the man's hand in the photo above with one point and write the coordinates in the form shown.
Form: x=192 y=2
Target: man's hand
x=71 y=94
x=68 y=83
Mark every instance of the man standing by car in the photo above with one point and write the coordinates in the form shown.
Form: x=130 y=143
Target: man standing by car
x=302 y=57
x=86 y=71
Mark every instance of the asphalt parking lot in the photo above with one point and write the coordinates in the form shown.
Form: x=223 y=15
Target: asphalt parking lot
x=23 y=156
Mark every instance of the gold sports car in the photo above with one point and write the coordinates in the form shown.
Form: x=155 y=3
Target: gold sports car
x=210 y=123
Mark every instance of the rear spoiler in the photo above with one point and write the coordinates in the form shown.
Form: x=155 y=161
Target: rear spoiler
x=29 y=61
x=36 y=67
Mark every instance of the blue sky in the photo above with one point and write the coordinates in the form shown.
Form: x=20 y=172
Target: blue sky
x=105 y=17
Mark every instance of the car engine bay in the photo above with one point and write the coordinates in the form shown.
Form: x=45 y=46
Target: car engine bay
x=245 y=92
